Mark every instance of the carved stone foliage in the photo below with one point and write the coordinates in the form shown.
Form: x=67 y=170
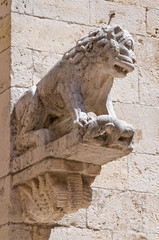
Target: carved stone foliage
x=48 y=197
x=65 y=128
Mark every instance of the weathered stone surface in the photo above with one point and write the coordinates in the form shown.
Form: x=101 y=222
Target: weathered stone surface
x=146 y=50
x=100 y=11
x=68 y=10
x=153 y=22
x=22 y=6
x=4 y=232
x=42 y=63
x=41 y=233
x=150 y=213
x=134 y=236
x=5 y=8
x=69 y=96
x=21 y=67
x=115 y=210
x=127 y=89
x=5 y=25
x=146 y=121
x=51 y=188
x=149 y=86
x=4 y=199
x=79 y=234
x=4 y=133
x=5 y=70
x=55 y=36
x=143 y=173
x=149 y=4
x=113 y=175
x=77 y=219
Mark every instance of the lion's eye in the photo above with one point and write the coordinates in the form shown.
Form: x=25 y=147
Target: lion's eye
x=129 y=44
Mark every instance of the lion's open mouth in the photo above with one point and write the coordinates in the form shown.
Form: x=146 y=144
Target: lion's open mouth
x=120 y=69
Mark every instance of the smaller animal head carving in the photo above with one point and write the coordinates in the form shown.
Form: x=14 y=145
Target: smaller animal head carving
x=111 y=47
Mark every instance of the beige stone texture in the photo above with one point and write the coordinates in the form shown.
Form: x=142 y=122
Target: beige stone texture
x=41 y=233
x=143 y=173
x=149 y=4
x=21 y=68
x=126 y=89
x=146 y=121
x=4 y=232
x=22 y=6
x=134 y=236
x=72 y=233
x=5 y=70
x=130 y=17
x=150 y=213
x=4 y=199
x=146 y=51
x=42 y=63
x=114 y=175
x=149 y=86
x=66 y=10
x=5 y=6
x=44 y=34
x=77 y=219
x=153 y=22
x=5 y=133
x=115 y=210
x=5 y=33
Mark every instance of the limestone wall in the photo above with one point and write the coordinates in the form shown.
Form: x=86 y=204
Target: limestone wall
x=126 y=194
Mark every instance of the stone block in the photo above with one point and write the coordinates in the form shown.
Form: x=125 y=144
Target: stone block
x=43 y=62
x=100 y=11
x=115 y=210
x=5 y=27
x=44 y=34
x=79 y=234
x=145 y=120
x=127 y=2
x=143 y=173
x=146 y=51
x=150 y=213
x=149 y=4
x=5 y=133
x=153 y=22
x=5 y=59
x=4 y=232
x=77 y=219
x=22 y=67
x=132 y=235
x=16 y=93
x=22 y=6
x=4 y=200
x=128 y=94
x=5 y=8
x=149 y=86
x=41 y=233
x=113 y=175
x=67 y=10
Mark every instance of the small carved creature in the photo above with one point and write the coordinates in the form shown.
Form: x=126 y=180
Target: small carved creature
x=76 y=93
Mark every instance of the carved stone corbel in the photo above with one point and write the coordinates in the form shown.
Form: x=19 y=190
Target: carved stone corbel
x=65 y=128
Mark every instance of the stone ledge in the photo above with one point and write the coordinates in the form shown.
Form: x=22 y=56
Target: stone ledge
x=71 y=147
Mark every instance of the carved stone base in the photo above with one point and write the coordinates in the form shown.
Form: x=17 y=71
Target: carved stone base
x=55 y=179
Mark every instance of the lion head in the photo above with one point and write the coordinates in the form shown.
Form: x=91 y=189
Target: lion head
x=111 y=47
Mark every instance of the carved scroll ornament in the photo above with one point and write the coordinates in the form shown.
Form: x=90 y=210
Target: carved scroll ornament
x=73 y=99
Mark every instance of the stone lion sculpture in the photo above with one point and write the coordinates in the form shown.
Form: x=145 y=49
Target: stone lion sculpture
x=76 y=93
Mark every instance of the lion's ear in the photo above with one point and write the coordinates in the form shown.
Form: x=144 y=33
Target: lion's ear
x=117 y=29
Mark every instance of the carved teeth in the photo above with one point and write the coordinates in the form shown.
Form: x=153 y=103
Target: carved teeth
x=120 y=69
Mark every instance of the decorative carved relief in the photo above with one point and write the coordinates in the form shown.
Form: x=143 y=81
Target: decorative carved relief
x=65 y=128
x=76 y=94
x=48 y=197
